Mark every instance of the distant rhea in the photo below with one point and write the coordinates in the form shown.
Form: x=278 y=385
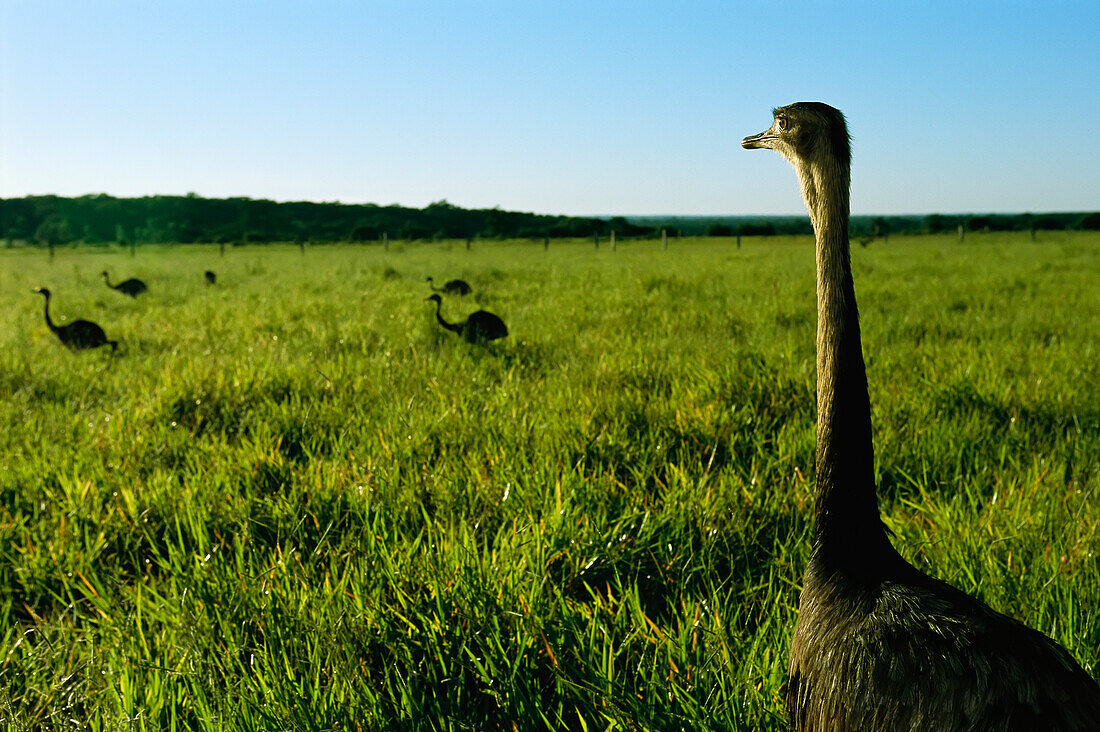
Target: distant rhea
x=79 y=334
x=211 y=278
x=452 y=287
x=479 y=327
x=879 y=645
x=132 y=287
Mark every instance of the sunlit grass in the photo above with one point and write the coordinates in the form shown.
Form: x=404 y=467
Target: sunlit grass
x=292 y=501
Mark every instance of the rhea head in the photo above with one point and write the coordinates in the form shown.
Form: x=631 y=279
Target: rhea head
x=806 y=132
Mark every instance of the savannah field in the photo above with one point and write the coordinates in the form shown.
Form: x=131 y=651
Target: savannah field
x=291 y=501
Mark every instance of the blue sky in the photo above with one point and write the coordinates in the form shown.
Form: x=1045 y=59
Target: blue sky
x=555 y=107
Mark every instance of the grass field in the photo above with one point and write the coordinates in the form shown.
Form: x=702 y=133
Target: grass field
x=291 y=501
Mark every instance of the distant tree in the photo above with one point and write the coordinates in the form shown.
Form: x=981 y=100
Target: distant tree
x=440 y=206
x=936 y=223
x=1049 y=223
x=54 y=230
x=500 y=224
x=16 y=228
x=1090 y=222
x=880 y=227
x=719 y=230
x=977 y=223
x=764 y=229
x=365 y=232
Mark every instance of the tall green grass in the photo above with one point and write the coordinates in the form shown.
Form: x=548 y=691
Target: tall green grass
x=292 y=501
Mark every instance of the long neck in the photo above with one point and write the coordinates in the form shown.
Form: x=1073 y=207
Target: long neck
x=433 y=287
x=449 y=326
x=848 y=527
x=49 y=321
x=107 y=279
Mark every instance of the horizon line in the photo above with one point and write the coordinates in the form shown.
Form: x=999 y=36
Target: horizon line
x=342 y=202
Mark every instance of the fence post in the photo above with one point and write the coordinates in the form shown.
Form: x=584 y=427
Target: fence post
x=612 y=240
x=664 y=239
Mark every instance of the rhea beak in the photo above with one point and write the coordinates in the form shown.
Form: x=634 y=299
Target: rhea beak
x=764 y=139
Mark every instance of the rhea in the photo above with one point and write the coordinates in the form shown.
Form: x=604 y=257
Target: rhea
x=132 y=287
x=878 y=644
x=452 y=287
x=211 y=278
x=79 y=334
x=479 y=327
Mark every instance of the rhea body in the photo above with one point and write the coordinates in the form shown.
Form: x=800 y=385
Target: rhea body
x=210 y=277
x=480 y=326
x=132 y=287
x=878 y=644
x=79 y=334
x=452 y=287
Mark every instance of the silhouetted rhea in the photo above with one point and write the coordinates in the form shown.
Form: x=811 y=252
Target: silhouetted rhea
x=480 y=326
x=78 y=334
x=132 y=287
x=211 y=278
x=879 y=645
x=453 y=287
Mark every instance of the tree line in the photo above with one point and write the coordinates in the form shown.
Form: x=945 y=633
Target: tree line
x=104 y=219
x=884 y=225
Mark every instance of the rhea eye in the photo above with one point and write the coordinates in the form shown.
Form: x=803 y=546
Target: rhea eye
x=782 y=122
